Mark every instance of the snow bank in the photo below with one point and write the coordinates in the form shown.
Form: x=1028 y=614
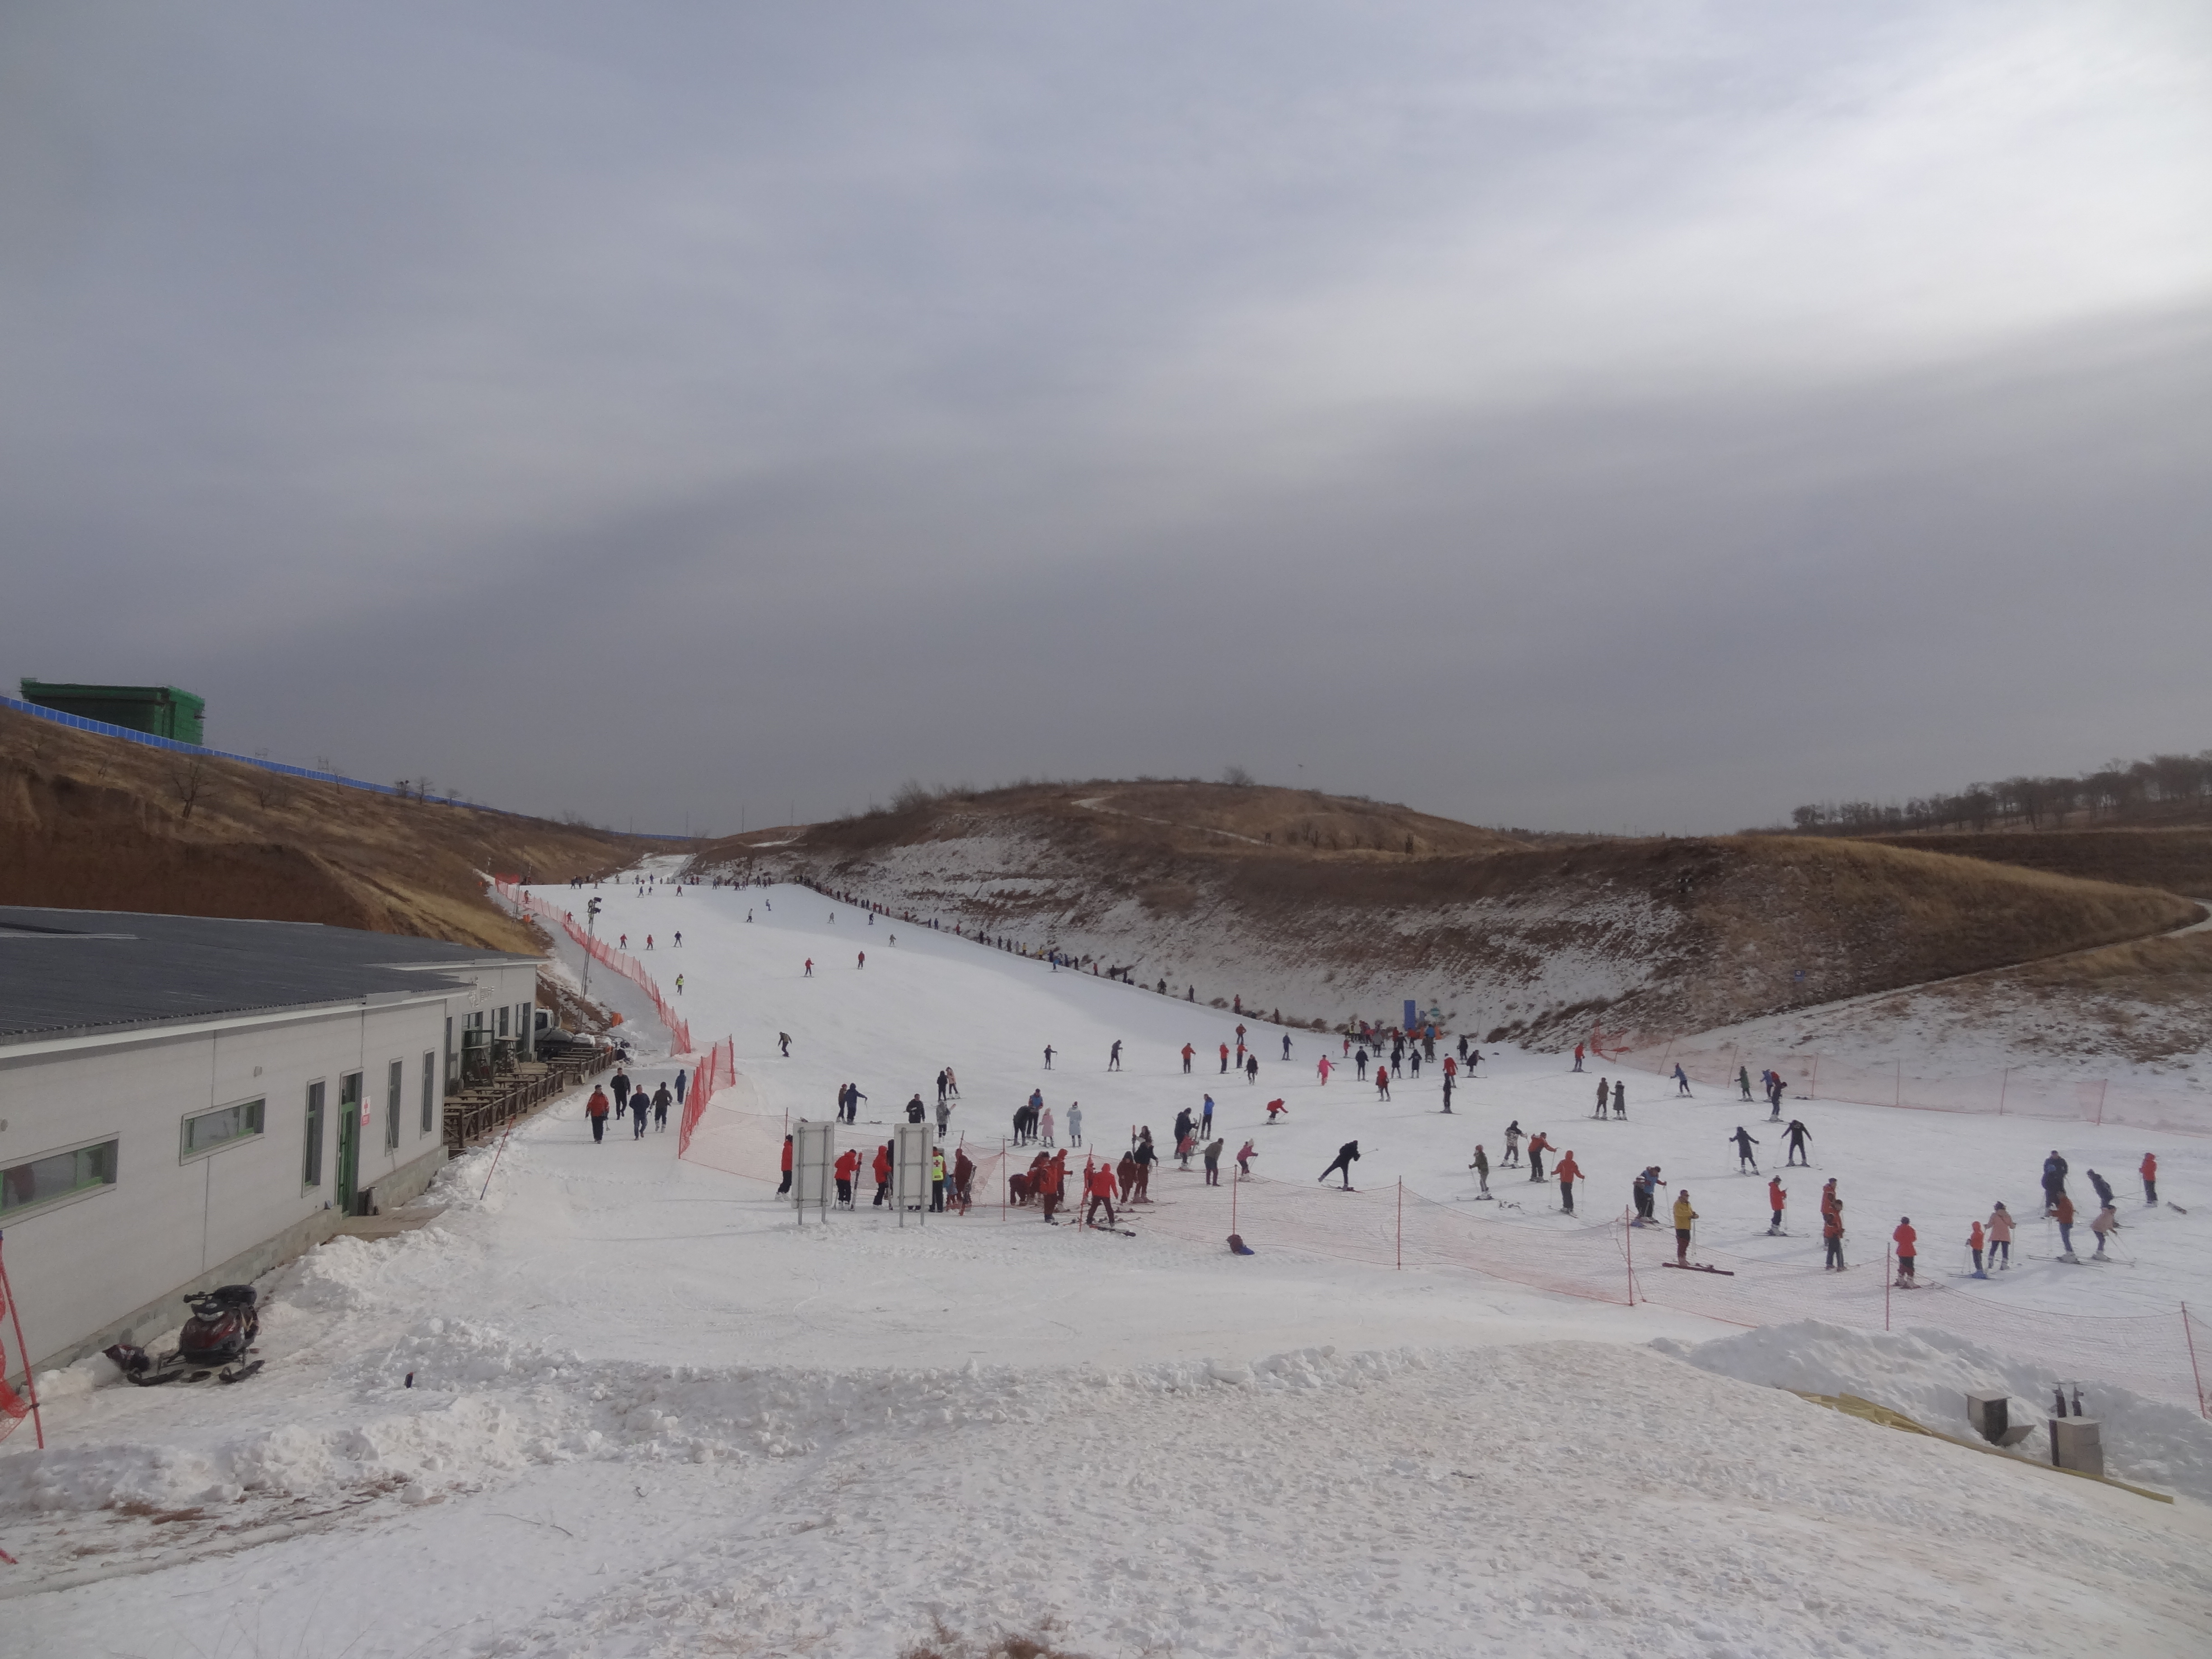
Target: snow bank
x=1926 y=1375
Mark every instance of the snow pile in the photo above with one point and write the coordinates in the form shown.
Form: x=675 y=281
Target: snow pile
x=1926 y=1375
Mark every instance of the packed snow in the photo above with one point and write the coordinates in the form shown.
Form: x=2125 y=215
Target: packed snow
x=648 y=1415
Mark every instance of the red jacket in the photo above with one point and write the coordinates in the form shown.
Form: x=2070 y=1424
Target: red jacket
x=1538 y=1143
x=883 y=1164
x=1567 y=1169
x=786 y=1155
x=848 y=1165
x=597 y=1106
x=2150 y=1166
x=1775 y=1194
x=1906 y=1237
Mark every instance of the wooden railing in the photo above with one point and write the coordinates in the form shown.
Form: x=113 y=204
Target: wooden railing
x=485 y=1108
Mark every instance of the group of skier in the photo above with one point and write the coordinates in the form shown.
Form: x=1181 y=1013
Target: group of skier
x=630 y=1096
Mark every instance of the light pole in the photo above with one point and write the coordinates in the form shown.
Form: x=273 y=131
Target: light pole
x=591 y=931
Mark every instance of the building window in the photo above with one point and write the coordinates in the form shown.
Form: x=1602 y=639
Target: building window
x=55 y=1177
x=206 y=1131
x=453 y=1060
x=502 y=1019
x=395 y=1084
x=429 y=1087
x=310 y=1170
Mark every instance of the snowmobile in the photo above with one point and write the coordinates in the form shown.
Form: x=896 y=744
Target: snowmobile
x=215 y=1340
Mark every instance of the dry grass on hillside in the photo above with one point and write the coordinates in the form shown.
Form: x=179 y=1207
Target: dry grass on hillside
x=96 y=822
x=2179 y=860
x=1710 y=929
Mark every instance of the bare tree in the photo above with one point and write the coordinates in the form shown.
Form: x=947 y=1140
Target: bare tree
x=1236 y=777
x=188 y=781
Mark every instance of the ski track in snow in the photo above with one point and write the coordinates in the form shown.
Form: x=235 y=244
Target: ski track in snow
x=650 y=1417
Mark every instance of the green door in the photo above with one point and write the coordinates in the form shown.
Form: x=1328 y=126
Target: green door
x=349 y=1140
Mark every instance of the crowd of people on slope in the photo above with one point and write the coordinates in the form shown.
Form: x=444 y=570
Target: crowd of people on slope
x=629 y=1094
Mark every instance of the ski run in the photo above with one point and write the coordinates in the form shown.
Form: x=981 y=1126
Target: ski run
x=614 y=1404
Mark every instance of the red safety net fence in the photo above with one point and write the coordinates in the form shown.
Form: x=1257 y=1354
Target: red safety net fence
x=2010 y=1091
x=679 y=1029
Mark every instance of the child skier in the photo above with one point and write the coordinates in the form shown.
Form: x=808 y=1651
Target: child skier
x=1974 y=1244
x=1512 y=1158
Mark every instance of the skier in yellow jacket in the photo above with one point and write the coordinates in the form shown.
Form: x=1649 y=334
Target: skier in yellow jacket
x=1684 y=1215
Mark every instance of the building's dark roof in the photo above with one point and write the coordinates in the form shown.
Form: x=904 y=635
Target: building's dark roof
x=66 y=972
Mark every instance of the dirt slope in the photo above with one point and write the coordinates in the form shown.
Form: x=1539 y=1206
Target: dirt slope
x=1240 y=892
x=96 y=822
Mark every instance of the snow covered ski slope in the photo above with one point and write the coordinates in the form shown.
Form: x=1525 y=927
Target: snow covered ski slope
x=649 y=1416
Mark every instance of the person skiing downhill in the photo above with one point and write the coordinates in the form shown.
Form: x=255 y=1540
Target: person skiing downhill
x=1481 y=1168
x=1539 y=1144
x=1684 y=1215
x=1974 y=1244
x=1346 y=1156
x=783 y=1042
x=2107 y=1223
x=1512 y=1158
x=1620 y=1100
x=1775 y=1198
x=1578 y=1056
x=1798 y=1135
x=1114 y=1056
x=1251 y=1068
x=2102 y=1188
x=1098 y=1186
x=1568 y=1172
x=1276 y=1108
x=1324 y=1068
x=1047 y=1056
x=1681 y=1079
x=1383 y=1081
x=1286 y=1045
x=809 y=974
x=1244 y=1156
x=1743 y=1081
x=1744 y=1143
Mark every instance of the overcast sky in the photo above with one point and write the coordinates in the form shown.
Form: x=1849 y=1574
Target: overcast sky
x=1583 y=417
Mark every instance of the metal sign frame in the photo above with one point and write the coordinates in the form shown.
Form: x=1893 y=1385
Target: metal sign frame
x=813 y=1166
x=910 y=1152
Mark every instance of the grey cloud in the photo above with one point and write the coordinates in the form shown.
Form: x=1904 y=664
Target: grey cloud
x=1454 y=402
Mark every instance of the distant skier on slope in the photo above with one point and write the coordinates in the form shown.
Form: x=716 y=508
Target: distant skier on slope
x=1798 y=1135
x=1907 y=1238
x=1383 y=1081
x=1743 y=1081
x=1775 y=1198
x=1114 y=1056
x=1244 y=1156
x=1744 y=1143
x=1346 y=1156
x=1480 y=1166
x=1620 y=1100
x=1251 y=1068
x=1539 y=1144
x=1567 y=1172
x=1681 y=1079
x=1604 y=1095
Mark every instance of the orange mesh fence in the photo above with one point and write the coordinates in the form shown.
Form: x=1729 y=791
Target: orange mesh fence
x=2013 y=1092
x=678 y=1029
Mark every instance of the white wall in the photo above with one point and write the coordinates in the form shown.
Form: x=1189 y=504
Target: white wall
x=81 y=1263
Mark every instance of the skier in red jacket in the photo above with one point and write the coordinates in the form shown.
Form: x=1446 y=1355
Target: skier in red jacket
x=1568 y=1172
x=786 y=1188
x=1539 y=1144
x=883 y=1173
x=1908 y=1242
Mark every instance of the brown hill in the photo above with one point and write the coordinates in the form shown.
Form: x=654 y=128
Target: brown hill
x=1330 y=909
x=2178 y=860
x=90 y=822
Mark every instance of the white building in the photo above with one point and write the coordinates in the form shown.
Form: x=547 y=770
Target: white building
x=187 y=1102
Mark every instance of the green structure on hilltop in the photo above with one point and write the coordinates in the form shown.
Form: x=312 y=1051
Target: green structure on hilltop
x=162 y=711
